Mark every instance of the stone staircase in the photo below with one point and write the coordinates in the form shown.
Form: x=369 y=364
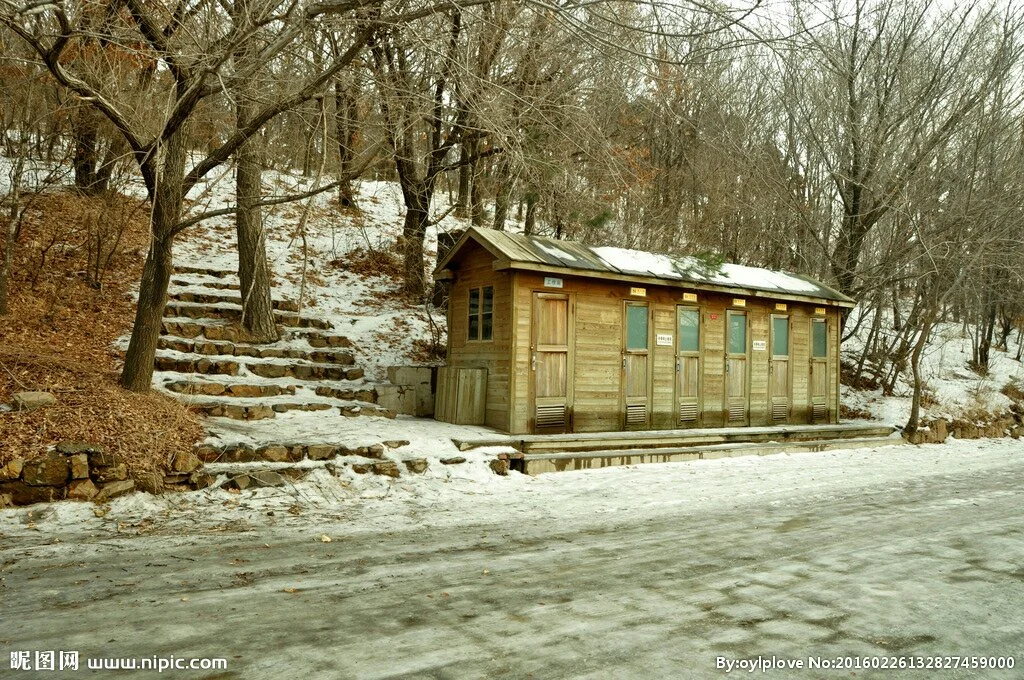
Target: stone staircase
x=204 y=358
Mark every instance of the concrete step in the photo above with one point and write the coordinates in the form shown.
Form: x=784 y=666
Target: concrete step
x=213 y=298
x=536 y=463
x=196 y=310
x=655 y=439
x=228 y=348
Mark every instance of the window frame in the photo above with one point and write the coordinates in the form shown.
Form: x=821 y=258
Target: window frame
x=480 y=323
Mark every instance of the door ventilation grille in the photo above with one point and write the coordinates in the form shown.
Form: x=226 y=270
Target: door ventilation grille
x=737 y=412
x=636 y=414
x=687 y=413
x=818 y=412
x=780 y=411
x=552 y=415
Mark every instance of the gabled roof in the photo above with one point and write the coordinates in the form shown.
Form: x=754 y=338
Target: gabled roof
x=533 y=253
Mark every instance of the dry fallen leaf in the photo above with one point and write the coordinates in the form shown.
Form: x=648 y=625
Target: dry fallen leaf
x=325 y=539
x=291 y=590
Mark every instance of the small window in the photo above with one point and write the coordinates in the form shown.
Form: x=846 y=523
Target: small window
x=689 y=330
x=481 y=313
x=780 y=336
x=737 y=333
x=819 y=339
x=636 y=327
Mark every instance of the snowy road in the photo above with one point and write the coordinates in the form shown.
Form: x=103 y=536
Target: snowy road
x=651 y=572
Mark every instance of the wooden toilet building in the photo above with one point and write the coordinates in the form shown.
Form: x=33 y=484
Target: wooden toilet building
x=550 y=336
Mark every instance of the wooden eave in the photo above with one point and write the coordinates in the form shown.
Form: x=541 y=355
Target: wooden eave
x=503 y=264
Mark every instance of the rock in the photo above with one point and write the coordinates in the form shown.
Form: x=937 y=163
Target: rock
x=269 y=370
x=240 y=482
x=12 y=470
x=317 y=340
x=352 y=412
x=320 y=451
x=500 y=467
x=115 y=473
x=226 y=367
x=30 y=401
x=417 y=465
x=302 y=372
x=274 y=453
x=265 y=478
x=361 y=468
x=941 y=429
x=114 y=489
x=388 y=468
x=259 y=412
x=271 y=353
x=396 y=443
x=51 y=470
x=211 y=389
x=150 y=482
x=245 y=390
x=82 y=490
x=21 y=493
x=454 y=460
x=354 y=374
x=103 y=459
x=338 y=341
x=185 y=462
x=375 y=451
x=200 y=479
x=234 y=411
x=204 y=366
x=207 y=453
x=239 y=453
x=70 y=448
x=79 y=466
x=369 y=396
x=6 y=500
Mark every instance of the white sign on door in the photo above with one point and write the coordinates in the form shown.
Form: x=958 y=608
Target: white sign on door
x=760 y=345
x=664 y=339
x=552 y=282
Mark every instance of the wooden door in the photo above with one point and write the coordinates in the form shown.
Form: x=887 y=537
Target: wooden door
x=736 y=352
x=819 y=371
x=780 y=382
x=688 y=366
x=550 y=363
x=636 y=378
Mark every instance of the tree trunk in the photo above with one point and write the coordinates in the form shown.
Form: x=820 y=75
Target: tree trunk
x=346 y=121
x=530 y=221
x=465 y=180
x=913 y=422
x=168 y=196
x=503 y=194
x=417 y=217
x=86 y=156
x=253 y=271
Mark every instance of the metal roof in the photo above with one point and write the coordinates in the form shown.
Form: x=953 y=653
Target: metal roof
x=542 y=254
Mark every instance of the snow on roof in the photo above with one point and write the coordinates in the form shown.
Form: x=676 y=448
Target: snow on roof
x=637 y=263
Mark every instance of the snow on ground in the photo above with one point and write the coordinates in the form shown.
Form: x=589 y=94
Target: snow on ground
x=953 y=390
x=450 y=495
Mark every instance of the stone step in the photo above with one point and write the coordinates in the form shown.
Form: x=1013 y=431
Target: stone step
x=218 y=409
x=219 y=329
x=217 y=365
x=194 y=310
x=242 y=389
x=227 y=349
x=205 y=271
x=220 y=285
x=289 y=452
x=221 y=298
